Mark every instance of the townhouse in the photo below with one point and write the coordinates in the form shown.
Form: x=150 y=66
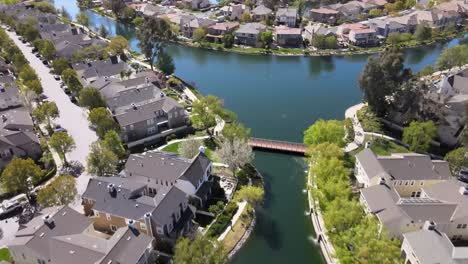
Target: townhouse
x=261 y=13
x=188 y=26
x=248 y=34
x=90 y=71
x=286 y=36
x=218 y=30
x=324 y=15
x=62 y=235
x=234 y=11
x=287 y=16
x=312 y=30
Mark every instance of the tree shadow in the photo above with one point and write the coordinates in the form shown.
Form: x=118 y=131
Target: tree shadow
x=268 y=229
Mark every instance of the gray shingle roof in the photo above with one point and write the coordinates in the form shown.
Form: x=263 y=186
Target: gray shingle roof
x=251 y=28
x=261 y=10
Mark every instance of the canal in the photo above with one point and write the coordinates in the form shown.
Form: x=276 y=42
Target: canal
x=278 y=98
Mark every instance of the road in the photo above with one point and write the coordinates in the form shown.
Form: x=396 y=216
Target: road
x=72 y=117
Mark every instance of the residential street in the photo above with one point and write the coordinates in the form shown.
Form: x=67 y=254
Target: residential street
x=72 y=117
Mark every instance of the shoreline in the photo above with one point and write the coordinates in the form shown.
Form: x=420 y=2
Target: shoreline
x=300 y=52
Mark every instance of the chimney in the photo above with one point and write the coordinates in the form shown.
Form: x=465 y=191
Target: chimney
x=429 y=225
x=110 y=188
x=4 y=118
x=463 y=190
x=149 y=226
x=367 y=145
x=48 y=220
x=134 y=106
x=202 y=149
x=131 y=224
x=382 y=181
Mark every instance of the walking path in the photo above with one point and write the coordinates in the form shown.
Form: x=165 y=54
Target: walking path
x=233 y=220
x=358 y=131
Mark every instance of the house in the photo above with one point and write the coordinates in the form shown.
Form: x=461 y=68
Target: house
x=196 y=4
x=312 y=30
x=384 y=27
x=409 y=170
x=161 y=169
x=151 y=121
x=436 y=18
x=248 y=34
x=234 y=11
x=352 y=10
x=378 y=3
x=363 y=37
x=287 y=16
x=116 y=202
x=286 y=36
x=189 y=26
x=429 y=245
x=5 y=67
x=218 y=30
x=261 y=13
x=62 y=235
x=459 y=6
x=9 y=92
x=17 y=137
x=88 y=72
x=324 y=15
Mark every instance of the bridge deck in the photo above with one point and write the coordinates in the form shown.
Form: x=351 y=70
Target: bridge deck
x=277 y=145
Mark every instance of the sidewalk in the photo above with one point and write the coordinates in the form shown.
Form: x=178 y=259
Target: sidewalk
x=234 y=220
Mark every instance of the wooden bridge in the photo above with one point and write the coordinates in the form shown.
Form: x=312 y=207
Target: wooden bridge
x=277 y=145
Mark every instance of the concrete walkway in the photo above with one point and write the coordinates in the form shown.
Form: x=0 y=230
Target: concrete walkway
x=358 y=131
x=234 y=219
x=181 y=140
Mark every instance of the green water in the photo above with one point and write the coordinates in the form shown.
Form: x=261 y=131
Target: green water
x=278 y=97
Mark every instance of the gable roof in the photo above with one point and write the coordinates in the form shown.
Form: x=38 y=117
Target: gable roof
x=261 y=10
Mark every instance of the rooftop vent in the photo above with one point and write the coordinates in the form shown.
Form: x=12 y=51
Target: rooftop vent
x=367 y=145
x=134 y=106
x=429 y=225
x=4 y=118
x=111 y=187
x=201 y=149
x=48 y=219
x=382 y=181
x=148 y=215
x=131 y=223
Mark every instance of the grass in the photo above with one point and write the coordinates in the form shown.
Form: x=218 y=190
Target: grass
x=383 y=147
x=238 y=230
x=172 y=148
x=210 y=151
x=5 y=255
x=9 y=2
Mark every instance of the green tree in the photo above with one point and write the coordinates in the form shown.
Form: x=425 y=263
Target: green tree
x=62 y=143
x=118 y=45
x=427 y=70
x=235 y=153
x=59 y=65
x=35 y=86
x=127 y=14
x=451 y=57
x=331 y=131
x=138 y=21
x=204 y=112
x=45 y=7
x=251 y=194
x=101 y=161
x=199 y=250
x=102 y=120
x=20 y=175
x=245 y=17
x=266 y=38
x=381 y=77
x=28 y=74
x=419 y=135
x=28 y=30
x=82 y=19
x=324 y=151
x=113 y=142
x=199 y=35
x=422 y=32
x=47 y=50
x=91 y=98
x=216 y=208
x=458 y=159
x=342 y=214
x=153 y=34
x=228 y=40
x=165 y=63
x=393 y=38
x=103 y=32
x=116 y=6
x=70 y=78
x=189 y=148
x=61 y=191
x=375 y=12
x=235 y=130
x=46 y=112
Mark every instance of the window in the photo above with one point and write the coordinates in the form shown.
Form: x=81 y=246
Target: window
x=143 y=226
x=412 y=183
x=418 y=194
x=151 y=130
x=413 y=194
x=108 y=217
x=459 y=226
x=150 y=122
x=113 y=228
x=96 y=213
x=464 y=226
x=406 y=183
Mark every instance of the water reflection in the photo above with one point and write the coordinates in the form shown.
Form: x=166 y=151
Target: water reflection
x=318 y=65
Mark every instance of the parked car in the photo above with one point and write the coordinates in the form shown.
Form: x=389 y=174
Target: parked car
x=59 y=128
x=38 y=55
x=45 y=62
x=56 y=77
x=35 y=50
x=463 y=175
x=72 y=98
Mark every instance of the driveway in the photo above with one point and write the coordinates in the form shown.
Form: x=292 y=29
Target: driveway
x=72 y=117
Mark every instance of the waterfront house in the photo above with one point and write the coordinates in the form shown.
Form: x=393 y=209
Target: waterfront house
x=409 y=170
x=312 y=30
x=430 y=245
x=218 y=30
x=287 y=16
x=286 y=36
x=90 y=71
x=115 y=202
x=196 y=4
x=459 y=6
x=384 y=27
x=324 y=15
x=435 y=18
x=234 y=11
x=62 y=235
x=160 y=169
x=353 y=9
x=190 y=25
x=149 y=122
x=261 y=13
x=363 y=37
x=248 y=34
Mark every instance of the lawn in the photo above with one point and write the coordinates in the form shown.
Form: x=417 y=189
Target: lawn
x=384 y=147
x=173 y=148
x=5 y=255
x=236 y=233
x=9 y=2
x=210 y=151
